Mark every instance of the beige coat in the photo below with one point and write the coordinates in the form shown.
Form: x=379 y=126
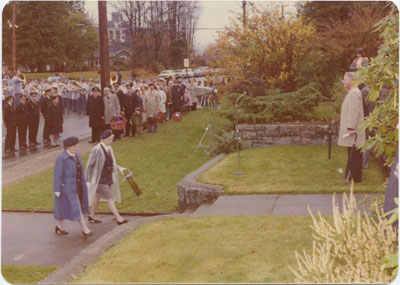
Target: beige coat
x=352 y=116
x=94 y=168
x=151 y=103
x=111 y=107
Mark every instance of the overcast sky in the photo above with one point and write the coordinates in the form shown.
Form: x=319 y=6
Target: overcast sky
x=214 y=15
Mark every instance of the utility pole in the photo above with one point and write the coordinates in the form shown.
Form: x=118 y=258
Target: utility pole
x=103 y=37
x=166 y=46
x=244 y=3
x=13 y=37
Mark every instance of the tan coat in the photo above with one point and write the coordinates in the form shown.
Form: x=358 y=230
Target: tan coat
x=94 y=168
x=151 y=103
x=352 y=116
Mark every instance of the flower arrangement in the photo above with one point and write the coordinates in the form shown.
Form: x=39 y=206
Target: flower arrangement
x=117 y=122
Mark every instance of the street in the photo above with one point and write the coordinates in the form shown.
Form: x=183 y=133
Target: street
x=74 y=125
x=22 y=230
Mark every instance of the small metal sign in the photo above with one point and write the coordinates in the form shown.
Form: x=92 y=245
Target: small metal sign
x=186 y=63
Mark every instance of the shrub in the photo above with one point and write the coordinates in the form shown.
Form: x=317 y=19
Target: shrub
x=349 y=250
x=225 y=142
x=337 y=94
x=274 y=107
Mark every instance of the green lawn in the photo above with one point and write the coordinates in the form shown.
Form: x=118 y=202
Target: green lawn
x=213 y=249
x=290 y=169
x=158 y=161
x=23 y=274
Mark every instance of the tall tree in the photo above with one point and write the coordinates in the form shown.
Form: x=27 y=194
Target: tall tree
x=43 y=34
x=155 y=24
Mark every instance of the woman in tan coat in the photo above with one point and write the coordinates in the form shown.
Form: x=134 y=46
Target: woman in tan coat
x=351 y=134
x=151 y=105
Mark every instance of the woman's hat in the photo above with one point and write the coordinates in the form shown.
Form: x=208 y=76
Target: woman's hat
x=71 y=141
x=106 y=134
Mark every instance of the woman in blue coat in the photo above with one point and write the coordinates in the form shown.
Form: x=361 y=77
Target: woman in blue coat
x=70 y=190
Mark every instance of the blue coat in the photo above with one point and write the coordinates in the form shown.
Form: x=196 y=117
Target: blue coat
x=66 y=206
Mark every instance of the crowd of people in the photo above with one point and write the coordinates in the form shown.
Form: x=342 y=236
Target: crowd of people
x=126 y=107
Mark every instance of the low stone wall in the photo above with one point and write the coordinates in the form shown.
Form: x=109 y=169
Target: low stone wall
x=287 y=134
x=192 y=193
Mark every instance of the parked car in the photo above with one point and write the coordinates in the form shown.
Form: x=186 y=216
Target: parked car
x=180 y=73
x=198 y=72
x=166 y=74
x=188 y=72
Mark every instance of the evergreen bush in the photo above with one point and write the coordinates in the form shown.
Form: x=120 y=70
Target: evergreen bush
x=274 y=106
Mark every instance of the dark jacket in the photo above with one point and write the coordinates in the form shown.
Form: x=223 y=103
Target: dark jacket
x=120 y=94
x=22 y=115
x=54 y=118
x=130 y=103
x=95 y=111
x=9 y=116
x=44 y=102
x=177 y=96
x=33 y=111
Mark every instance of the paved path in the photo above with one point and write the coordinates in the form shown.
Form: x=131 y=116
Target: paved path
x=74 y=125
x=273 y=205
x=29 y=239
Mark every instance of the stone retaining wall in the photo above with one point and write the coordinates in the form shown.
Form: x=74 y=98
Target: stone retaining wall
x=287 y=134
x=192 y=193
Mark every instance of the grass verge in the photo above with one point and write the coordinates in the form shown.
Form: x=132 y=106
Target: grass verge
x=158 y=161
x=213 y=249
x=25 y=274
x=290 y=170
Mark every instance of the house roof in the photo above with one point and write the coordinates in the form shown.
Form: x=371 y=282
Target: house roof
x=119 y=51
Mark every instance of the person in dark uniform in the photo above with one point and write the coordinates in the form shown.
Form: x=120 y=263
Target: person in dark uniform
x=130 y=103
x=95 y=111
x=22 y=121
x=55 y=118
x=44 y=103
x=70 y=190
x=33 y=118
x=10 y=121
x=177 y=97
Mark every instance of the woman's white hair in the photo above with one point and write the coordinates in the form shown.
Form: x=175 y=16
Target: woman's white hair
x=106 y=89
x=351 y=75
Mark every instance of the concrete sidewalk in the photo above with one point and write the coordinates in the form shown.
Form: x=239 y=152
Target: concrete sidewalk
x=29 y=238
x=277 y=205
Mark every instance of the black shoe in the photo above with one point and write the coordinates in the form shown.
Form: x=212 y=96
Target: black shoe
x=123 y=222
x=37 y=143
x=58 y=230
x=87 y=234
x=93 y=220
